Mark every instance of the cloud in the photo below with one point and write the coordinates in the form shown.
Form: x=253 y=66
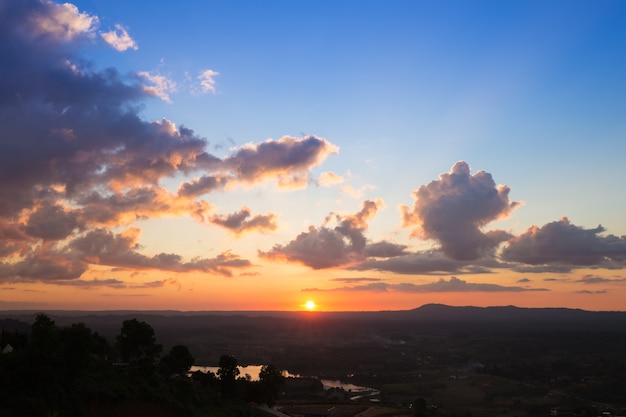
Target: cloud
x=45 y=262
x=564 y=243
x=102 y=247
x=324 y=247
x=523 y=281
x=160 y=86
x=384 y=249
x=76 y=156
x=51 y=222
x=453 y=209
x=207 y=80
x=119 y=39
x=590 y=279
x=356 y=193
x=442 y=285
x=60 y=22
x=287 y=159
x=356 y=280
x=237 y=223
x=426 y=262
x=328 y=179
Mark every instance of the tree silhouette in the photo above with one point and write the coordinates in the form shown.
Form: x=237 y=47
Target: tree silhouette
x=228 y=373
x=270 y=379
x=137 y=344
x=178 y=361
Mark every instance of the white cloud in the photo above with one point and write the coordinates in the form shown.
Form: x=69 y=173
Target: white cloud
x=63 y=21
x=328 y=179
x=119 y=39
x=207 y=80
x=161 y=85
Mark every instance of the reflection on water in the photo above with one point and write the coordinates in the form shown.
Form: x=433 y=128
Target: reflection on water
x=252 y=372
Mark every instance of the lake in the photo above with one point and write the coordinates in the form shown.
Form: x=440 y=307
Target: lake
x=253 y=372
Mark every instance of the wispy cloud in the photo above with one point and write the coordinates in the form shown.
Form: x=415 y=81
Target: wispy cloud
x=207 y=80
x=442 y=285
x=119 y=39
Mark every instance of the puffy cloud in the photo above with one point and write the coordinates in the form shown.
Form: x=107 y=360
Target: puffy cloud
x=237 y=223
x=119 y=39
x=442 y=285
x=51 y=222
x=325 y=247
x=287 y=159
x=138 y=203
x=453 y=209
x=44 y=263
x=76 y=156
x=202 y=185
x=58 y=21
x=564 y=243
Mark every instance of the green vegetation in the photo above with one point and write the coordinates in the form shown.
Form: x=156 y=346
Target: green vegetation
x=72 y=371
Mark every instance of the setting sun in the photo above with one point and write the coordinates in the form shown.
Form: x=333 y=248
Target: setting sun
x=310 y=305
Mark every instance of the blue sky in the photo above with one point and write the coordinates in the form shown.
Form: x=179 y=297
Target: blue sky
x=397 y=92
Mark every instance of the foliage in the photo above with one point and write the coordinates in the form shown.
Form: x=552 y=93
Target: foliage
x=72 y=371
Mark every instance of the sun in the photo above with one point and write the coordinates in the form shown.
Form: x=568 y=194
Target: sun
x=310 y=305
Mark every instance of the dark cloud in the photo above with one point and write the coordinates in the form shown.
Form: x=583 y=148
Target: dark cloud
x=237 y=223
x=51 y=222
x=356 y=280
x=453 y=210
x=427 y=263
x=287 y=159
x=523 y=281
x=324 y=247
x=203 y=185
x=44 y=263
x=102 y=247
x=76 y=156
x=384 y=249
x=563 y=243
x=590 y=279
x=442 y=285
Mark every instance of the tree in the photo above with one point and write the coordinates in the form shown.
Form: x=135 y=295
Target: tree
x=419 y=407
x=178 y=361
x=270 y=379
x=228 y=373
x=137 y=343
x=44 y=335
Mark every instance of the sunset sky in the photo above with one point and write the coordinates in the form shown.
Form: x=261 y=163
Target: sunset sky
x=254 y=155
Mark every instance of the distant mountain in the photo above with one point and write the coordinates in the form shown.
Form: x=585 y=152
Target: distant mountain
x=428 y=317
x=503 y=316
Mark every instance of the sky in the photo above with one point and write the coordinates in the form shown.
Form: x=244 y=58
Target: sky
x=246 y=155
